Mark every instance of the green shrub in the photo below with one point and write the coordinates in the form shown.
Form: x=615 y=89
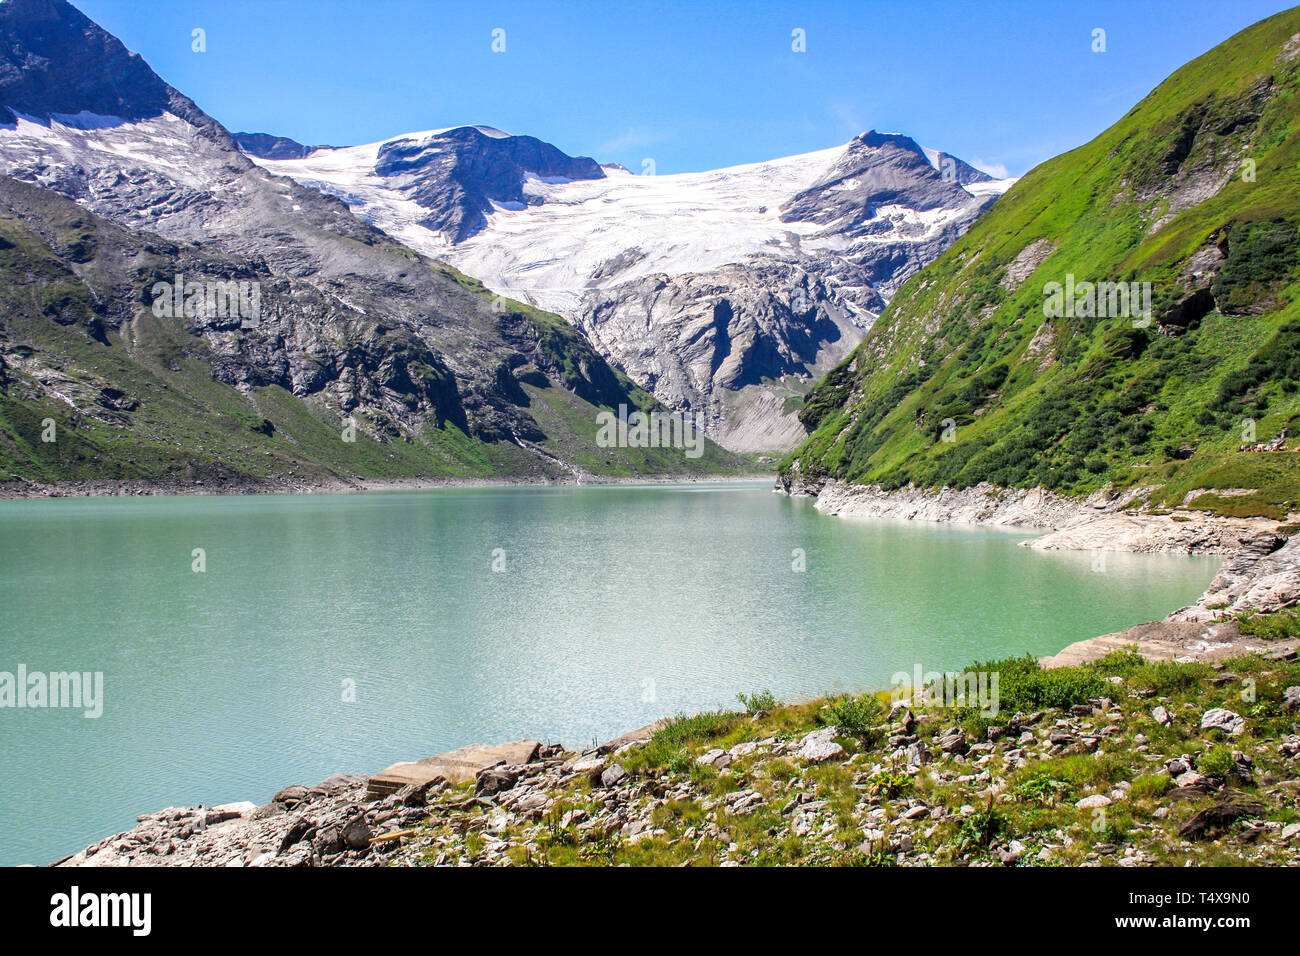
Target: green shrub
x=1271 y=627
x=1168 y=678
x=1042 y=789
x=680 y=762
x=682 y=732
x=980 y=827
x=1258 y=256
x=762 y=701
x=855 y=716
x=1024 y=685
x=1119 y=663
x=889 y=784
x=1216 y=762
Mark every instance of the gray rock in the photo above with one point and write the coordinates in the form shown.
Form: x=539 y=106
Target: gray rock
x=356 y=833
x=613 y=776
x=495 y=780
x=1093 y=802
x=954 y=743
x=328 y=841
x=819 y=746
x=1219 y=718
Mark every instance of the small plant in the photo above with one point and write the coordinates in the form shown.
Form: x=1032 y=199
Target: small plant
x=980 y=827
x=855 y=716
x=758 y=703
x=1216 y=762
x=1043 y=790
x=1150 y=786
x=680 y=762
x=889 y=784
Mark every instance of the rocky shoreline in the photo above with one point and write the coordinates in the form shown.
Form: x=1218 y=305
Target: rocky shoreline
x=1261 y=574
x=1106 y=520
x=1148 y=767
x=17 y=490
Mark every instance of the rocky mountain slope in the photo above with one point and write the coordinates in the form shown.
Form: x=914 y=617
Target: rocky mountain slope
x=353 y=334
x=1006 y=361
x=724 y=293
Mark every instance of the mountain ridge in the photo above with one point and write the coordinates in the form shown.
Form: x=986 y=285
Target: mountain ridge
x=355 y=330
x=725 y=293
x=972 y=376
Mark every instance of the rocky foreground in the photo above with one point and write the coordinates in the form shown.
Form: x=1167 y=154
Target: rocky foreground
x=1117 y=761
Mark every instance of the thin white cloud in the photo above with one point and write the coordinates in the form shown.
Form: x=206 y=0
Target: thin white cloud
x=996 y=170
x=635 y=136
x=846 y=116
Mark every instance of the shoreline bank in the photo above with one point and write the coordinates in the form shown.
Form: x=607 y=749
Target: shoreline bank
x=18 y=491
x=1106 y=520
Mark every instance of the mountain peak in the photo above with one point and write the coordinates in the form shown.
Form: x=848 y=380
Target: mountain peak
x=461 y=174
x=876 y=139
x=56 y=62
x=269 y=146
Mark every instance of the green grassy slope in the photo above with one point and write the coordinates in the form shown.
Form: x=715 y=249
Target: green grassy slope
x=965 y=379
x=134 y=397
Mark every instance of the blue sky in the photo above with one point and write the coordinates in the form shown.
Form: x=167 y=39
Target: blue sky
x=692 y=85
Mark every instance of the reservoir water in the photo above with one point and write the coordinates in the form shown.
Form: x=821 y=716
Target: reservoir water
x=342 y=633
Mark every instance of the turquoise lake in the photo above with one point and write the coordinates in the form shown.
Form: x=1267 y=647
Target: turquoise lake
x=610 y=606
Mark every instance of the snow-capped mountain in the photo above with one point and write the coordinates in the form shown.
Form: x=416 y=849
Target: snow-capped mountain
x=725 y=292
x=352 y=325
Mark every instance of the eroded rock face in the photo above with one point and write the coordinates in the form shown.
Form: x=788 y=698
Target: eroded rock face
x=1263 y=576
x=459 y=175
x=266 y=146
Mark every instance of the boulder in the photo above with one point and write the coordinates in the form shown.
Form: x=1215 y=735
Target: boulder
x=493 y=780
x=1218 y=718
x=356 y=833
x=1212 y=821
x=455 y=766
x=327 y=841
x=819 y=746
x=613 y=776
x=1094 y=802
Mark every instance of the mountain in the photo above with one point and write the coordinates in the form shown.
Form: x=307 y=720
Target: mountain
x=1007 y=361
x=266 y=146
x=725 y=293
x=352 y=329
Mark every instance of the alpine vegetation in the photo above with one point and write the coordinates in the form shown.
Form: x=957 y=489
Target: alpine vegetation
x=1098 y=300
